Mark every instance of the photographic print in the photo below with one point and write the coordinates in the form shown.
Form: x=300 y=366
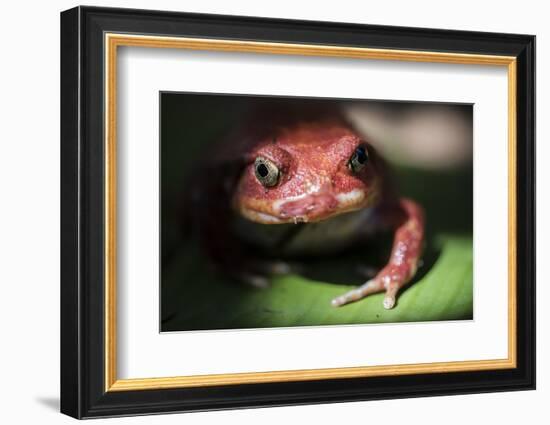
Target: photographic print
x=291 y=211
x=306 y=195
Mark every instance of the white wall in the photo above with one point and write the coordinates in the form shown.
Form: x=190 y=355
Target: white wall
x=29 y=225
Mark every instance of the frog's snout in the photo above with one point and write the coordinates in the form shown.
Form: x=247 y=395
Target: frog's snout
x=310 y=208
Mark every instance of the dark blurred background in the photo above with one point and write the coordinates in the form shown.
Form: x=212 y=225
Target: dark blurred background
x=429 y=149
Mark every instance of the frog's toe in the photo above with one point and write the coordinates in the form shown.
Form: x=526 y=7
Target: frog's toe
x=388 y=302
x=370 y=287
x=255 y=280
x=391 y=293
x=280 y=267
x=270 y=267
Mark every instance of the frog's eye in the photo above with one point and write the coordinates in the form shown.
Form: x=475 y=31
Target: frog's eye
x=266 y=172
x=359 y=159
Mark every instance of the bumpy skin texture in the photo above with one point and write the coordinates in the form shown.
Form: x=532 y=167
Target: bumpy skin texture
x=311 y=147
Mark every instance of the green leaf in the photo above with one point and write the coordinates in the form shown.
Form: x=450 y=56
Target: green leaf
x=196 y=298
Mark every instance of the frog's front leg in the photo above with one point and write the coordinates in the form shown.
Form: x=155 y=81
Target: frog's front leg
x=404 y=258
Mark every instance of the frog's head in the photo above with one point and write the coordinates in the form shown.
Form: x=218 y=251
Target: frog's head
x=306 y=173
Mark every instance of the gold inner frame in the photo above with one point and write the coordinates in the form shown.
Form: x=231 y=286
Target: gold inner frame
x=113 y=41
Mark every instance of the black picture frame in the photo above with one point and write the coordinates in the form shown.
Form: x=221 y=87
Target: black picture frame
x=83 y=392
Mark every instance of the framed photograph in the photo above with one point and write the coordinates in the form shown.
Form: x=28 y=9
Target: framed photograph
x=261 y=212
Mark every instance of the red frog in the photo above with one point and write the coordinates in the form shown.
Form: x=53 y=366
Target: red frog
x=296 y=178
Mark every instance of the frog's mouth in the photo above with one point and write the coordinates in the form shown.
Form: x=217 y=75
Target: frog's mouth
x=303 y=208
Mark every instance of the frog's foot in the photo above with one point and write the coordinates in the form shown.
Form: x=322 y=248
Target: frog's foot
x=278 y=267
x=257 y=273
x=389 y=280
x=270 y=267
x=403 y=263
x=254 y=280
